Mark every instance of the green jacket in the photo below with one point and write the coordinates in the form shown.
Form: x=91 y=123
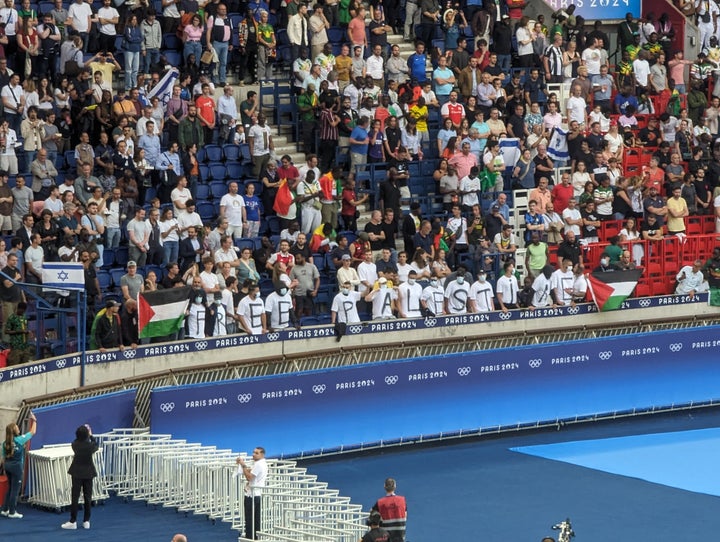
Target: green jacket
x=189 y=132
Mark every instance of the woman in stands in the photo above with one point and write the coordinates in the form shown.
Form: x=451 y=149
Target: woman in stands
x=50 y=235
x=13 y=455
x=247 y=269
x=271 y=182
x=169 y=233
x=571 y=61
x=580 y=178
x=629 y=234
x=445 y=134
x=192 y=34
x=421 y=265
x=440 y=267
x=441 y=170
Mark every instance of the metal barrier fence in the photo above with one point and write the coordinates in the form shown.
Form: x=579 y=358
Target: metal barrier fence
x=198 y=479
x=49 y=482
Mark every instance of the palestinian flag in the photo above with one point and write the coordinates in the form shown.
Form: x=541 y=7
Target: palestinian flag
x=162 y=312
x=714 y=297
x=610 y=289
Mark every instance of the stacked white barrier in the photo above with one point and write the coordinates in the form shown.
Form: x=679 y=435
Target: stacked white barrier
x=197 y=479
x=49 y=482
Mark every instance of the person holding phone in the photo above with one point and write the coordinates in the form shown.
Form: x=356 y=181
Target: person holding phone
x=82 y=470
x=13 y=457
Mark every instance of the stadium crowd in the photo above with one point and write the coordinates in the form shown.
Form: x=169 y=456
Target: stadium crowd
x=115 y=174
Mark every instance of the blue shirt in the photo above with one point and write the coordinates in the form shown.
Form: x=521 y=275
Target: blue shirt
x=443 y=73
x=622 y=102
x=417 y=64
x=166 y=159
x=20 y=441
x=359 y=134
x=151 y=145
x=252 y=208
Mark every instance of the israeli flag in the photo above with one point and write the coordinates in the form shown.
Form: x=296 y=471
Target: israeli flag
x=164 y=87
x=65 y=275
x=510 y=150
x=557 y=148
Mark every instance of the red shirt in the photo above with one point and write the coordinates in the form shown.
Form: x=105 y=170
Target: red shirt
x=455 y=111
x=206 y=109
x=288 y=173
x=560 y=197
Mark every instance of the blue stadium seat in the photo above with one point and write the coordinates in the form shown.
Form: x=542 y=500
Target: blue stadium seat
x=218 y=189
x=202 y=192
x=201 y=156
x=174 y=58
x=217 y=172
x=231 y=152
x=206 y=210
x=116 y=275
x=245 y=243
x=104 y=279
x=70 y=159
x=234 y=171
x=214 y=153
x=108 y=258
x=319 y=262
x=204 y=172
x=171 y=41
x=121 y=256
x=336 y=35
x=245 y=153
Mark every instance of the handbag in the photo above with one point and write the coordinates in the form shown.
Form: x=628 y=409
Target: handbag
x=72 y=67
x=207 y=57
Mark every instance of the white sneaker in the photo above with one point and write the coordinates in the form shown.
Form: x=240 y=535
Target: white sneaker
x=4 y=513
x=86 y=524
x=15 y=516
x=69 y=525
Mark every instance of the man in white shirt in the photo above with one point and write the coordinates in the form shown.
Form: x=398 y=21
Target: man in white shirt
x=256 y=478
x=641 y=69
x=80 y=19
x=561 y=283
x=138 y=232
x=457 y=294
x=189 y=218
x=375 y=65
x=507 y=288
x=572 y=217
x=469 y=188
x=690 y=279
x=180 y=196
x=409 y=297
x=367 y=271
x=261 y=144
x=108 y=17
x=251 y=313
x=577 y=107
x=279 y=309
x=13 y=99
x=227 y=253
x=344 y=306
x=232 y=207
x=481 y=295
x=227 y=114
x=383 y=300
x=542 y=288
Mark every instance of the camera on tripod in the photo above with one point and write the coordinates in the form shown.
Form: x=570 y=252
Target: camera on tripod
x=566 y=530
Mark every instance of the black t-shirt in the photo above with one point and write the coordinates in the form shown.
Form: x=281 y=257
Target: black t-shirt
x=390 y=232
x=650 y=137
x=493 y=225
x=517 y=123
x=381 y=266
x=652 y=230
x=590 y=231
x=390 y=196
x=12 y=294
x=376 y=229
x=305 y=251
x=569 y=250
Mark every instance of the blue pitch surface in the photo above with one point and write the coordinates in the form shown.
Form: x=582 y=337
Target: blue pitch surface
x=486 y=490
x=684 y=460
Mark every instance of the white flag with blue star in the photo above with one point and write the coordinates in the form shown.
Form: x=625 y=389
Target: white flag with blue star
x=66 y=275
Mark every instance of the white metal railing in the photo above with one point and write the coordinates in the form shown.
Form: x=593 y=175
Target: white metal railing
x=296 y=506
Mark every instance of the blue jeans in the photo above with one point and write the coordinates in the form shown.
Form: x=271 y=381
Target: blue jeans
x=192 y=48
x=152 y=56
x=112 y=237
x=171 y=249
x=14 y=471
x=221 y=48
x=132 y=65
x=505 y=62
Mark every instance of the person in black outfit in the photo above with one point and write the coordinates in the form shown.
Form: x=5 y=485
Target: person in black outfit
x=107 y=329
x=389 y=194
x=129 y=324
x=82 y=470
x=410 y=226
x=376 y=533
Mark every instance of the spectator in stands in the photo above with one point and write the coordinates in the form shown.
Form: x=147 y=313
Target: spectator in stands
x=507 y=288
x=677 y=210
x=266 y=43
x=655 y=204
x=218 y=35
x=129 y=324
x=108 y=331
x=691 y=280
